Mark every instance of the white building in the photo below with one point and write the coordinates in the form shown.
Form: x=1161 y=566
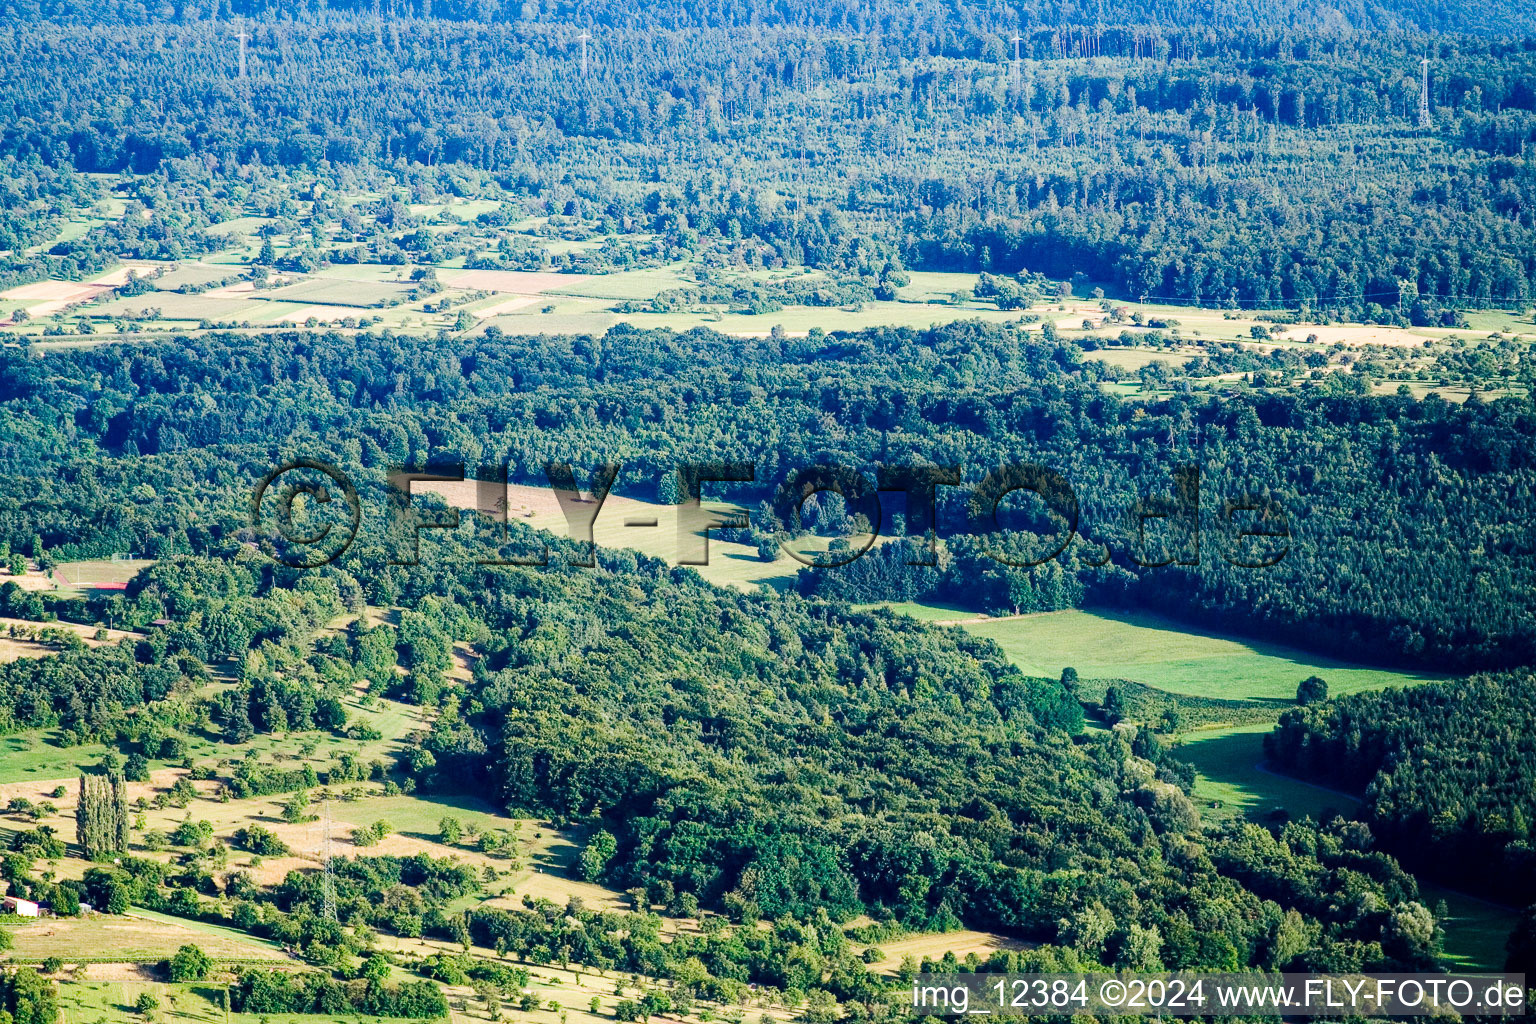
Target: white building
x=20 y=907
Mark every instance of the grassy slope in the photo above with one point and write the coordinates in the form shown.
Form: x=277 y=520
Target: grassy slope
x=1169 y=656
x=1228 y=761
x=143 y=937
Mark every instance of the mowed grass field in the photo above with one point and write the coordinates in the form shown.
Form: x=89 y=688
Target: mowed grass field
x=925 y=612
x=1172 y=656
x=40 y=757
x=339 y=293
x=92 y=1001
x=1475 y=931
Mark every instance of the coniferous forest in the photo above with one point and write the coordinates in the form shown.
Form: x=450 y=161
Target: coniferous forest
x=1213 y=327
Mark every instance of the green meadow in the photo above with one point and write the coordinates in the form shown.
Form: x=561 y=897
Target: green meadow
x=1232 y=779
x=1173 y=656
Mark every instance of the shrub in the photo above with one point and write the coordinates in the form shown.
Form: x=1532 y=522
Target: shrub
x=189 y=964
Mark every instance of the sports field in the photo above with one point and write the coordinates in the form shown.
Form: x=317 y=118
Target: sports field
x=97 y=574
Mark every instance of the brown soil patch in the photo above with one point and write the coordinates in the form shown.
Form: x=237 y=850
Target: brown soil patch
x=122 y=972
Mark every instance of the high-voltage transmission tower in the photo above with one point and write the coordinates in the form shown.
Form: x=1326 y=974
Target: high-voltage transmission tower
x=1424 y=121
x=328 y=871
x=244 y=38
x=585 y=35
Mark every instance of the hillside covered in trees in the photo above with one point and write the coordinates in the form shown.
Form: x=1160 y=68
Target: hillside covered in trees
x=767 y=755
x=1445 y=770
x=762 y=756
x=1389 y=501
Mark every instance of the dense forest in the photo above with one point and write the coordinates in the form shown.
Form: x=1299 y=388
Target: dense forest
x=947 y=23
x=1397 y=509
x=1220 y=164
x=1445 y=771
x=765 y=755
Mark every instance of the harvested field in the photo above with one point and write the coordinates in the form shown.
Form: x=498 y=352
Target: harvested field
x=193 y=274
x=1135 y=358
x=644 y=526
x=45 y=298
x=936 y=945
x=244 y=289
x=325 y=314
x=119 y=277
x=13 y=646
x=52 y=291
x=48 y=297
x=507 y=306
x=132 y=939
x=559 y=890
x=654 y=532
x=238 y=288
x=175 y=306
x=355 y=294
x=522 y=282
x=122 y=972
x=32 y=579
x=1357 y=335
